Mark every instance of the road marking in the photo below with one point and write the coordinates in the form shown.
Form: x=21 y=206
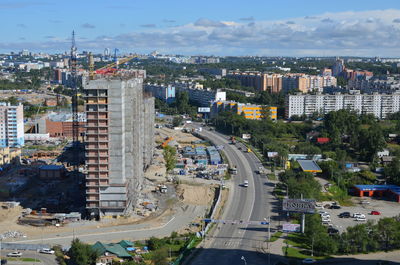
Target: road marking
x=96 y=234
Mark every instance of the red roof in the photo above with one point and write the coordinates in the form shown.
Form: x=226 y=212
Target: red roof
x=323 y=140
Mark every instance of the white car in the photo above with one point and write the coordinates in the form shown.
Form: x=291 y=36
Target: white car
x=322 y=212
x=325 y=215
x=46 y=251
x=361 y=219
x=246 y=183
x=14 y=254
x=326 y=220
x=357 y=215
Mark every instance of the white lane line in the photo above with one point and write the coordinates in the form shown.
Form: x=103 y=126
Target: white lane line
x=96 y=234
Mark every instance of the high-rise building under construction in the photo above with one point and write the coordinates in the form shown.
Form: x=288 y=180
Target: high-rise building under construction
x=119 y=143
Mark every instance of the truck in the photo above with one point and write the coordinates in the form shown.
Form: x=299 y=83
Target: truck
x=233 y=140
x=233 y=170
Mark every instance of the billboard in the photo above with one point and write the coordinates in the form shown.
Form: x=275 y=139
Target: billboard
x=246 y=136
x=291 y=228
x=203 y=109
x=299 y=205
x=272 y=154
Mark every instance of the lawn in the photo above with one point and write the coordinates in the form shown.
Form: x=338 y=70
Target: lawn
x=275 y=236
x=22 y=259
x=299 y=254
x=296 y=240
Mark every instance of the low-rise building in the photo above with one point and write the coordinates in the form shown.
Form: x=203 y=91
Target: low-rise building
x=250 y=111
x=8 y=156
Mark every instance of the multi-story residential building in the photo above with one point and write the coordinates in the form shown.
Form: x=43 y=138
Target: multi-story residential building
x=11 y=125
x=164 y=92
x=119 y=143
x=380 y=105
x=201 y=97
x=259 y=81
x=338 y=67
x=250 y=111
x=213 y=71
x=386 y=84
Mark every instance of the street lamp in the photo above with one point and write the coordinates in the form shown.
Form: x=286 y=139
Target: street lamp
x=244 y=260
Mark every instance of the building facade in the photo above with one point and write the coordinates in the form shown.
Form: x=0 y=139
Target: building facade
x=11 y=125
x=250 y=111
x=380 y=105
x=119 y=144
x=163 y=92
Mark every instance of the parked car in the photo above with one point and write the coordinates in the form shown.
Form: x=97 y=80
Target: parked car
x=335 y=207
x=308 y=261
x=326 y=219
x=356 y=215
x=332 y=230
x=365 y=202
x=361 y=219
x=14 y=254
x=322 y=212
x=345 y=215
x=46 y=251
x=375 y=213
x=326 y=223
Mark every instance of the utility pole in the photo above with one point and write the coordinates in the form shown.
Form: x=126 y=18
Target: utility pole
x=303 y=219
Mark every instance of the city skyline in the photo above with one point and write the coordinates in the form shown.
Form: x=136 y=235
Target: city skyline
x=209 y=28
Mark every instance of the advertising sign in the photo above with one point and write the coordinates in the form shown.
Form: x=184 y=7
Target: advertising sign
x=203 y=110
x=272 y=154
x=291 y=228
x=299 y=205
x=246 y=136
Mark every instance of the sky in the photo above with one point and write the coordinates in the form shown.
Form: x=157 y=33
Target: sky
x=207 y=27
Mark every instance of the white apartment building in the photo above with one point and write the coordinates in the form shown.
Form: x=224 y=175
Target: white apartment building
x=11 y=125
x=380 y=105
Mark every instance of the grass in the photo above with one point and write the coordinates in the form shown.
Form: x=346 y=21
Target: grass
x=271 y=176
x=301 y=254
x=336 y=194
x=275 y=236
x=22 y=259
x=296 y=240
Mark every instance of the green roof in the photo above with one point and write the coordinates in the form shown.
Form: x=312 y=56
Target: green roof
x=113 y=248
x=126 y=243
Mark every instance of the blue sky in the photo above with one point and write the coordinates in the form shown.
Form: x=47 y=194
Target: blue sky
x=220 y=27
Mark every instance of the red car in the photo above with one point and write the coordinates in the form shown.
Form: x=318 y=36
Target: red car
x=375 y=213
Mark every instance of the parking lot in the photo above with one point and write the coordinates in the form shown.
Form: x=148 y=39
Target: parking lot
x=386 y=209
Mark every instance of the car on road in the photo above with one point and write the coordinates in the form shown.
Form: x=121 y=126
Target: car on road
x=375 y=213
x=345 y=215
x=245 y=183
x=46 y=251
x=14 y=254
x=361 y=219
x=308 y=261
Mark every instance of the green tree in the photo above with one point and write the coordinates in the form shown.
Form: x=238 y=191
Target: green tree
x=82 y=254
x=176 y=121
x=392 y=171
x=169 y=154
x=371 y=141
x=160 y=256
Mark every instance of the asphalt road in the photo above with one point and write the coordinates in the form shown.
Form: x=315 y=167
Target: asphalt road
x=45 y=259
x=239 y=244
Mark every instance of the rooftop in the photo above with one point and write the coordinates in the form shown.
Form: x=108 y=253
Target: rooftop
x=309 y=166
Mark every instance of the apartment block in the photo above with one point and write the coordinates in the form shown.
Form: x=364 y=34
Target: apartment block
x=202 y=97
x=11 y=125
x=119 y=143
x=250 y=111
x=164 y=92
x=259 y=81
x=380 y=105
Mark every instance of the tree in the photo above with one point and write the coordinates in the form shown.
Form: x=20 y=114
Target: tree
x=371 y=141
x=176 y=121
x=82 y=254
x=160 y=256
x=317 y=236
x=169 y=154
x=392 y=171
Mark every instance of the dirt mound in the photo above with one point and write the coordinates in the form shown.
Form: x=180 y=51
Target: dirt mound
x=196 y=195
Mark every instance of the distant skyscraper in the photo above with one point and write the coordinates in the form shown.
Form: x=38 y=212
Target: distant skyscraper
x=107 y=52
x=11 y=125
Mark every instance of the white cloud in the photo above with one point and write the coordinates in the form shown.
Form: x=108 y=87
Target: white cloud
x=368 y=33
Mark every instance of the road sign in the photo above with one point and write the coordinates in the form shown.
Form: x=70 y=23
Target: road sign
x=299 y=205
x=291 y=228
x=203 y=109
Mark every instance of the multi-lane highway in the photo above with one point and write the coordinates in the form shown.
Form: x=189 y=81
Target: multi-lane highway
x=239 y=244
